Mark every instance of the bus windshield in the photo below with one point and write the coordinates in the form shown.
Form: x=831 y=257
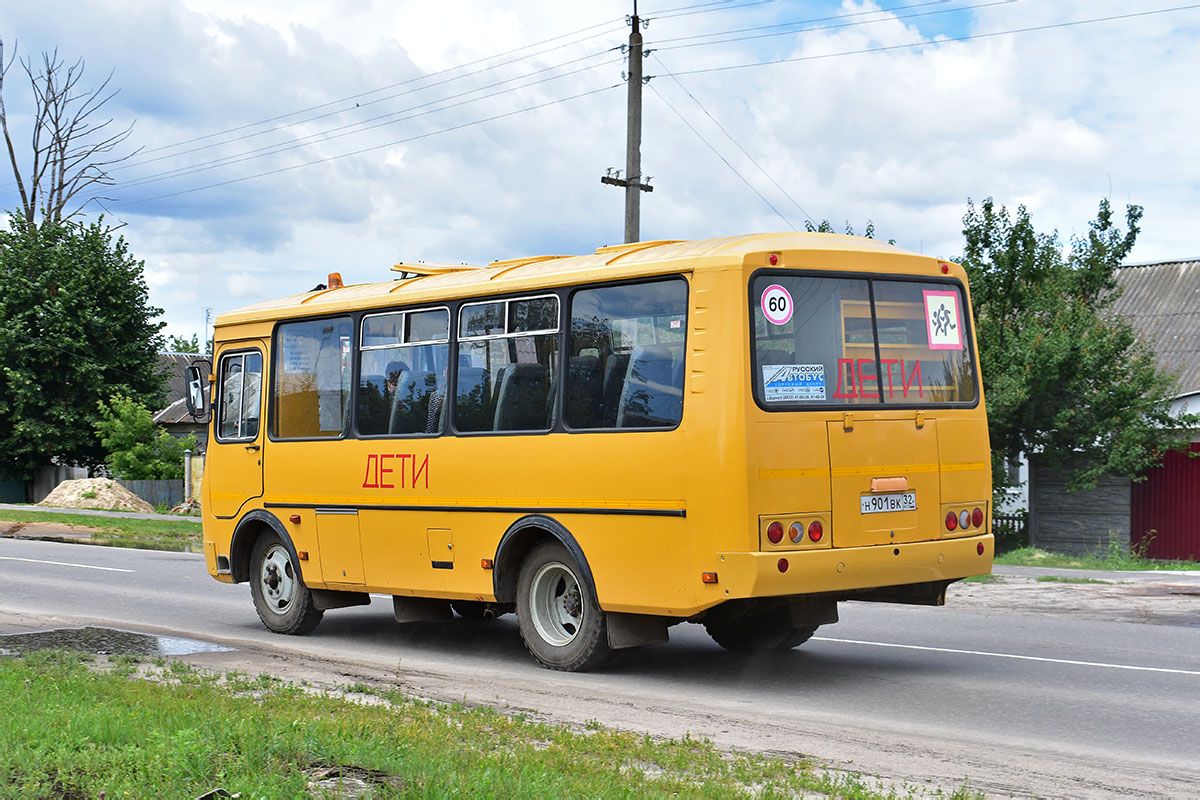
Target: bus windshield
x=834 y=341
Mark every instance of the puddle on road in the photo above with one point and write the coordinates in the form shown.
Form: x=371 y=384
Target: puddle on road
x=105 y=642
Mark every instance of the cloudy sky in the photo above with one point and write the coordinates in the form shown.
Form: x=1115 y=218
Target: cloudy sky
x=281 y=141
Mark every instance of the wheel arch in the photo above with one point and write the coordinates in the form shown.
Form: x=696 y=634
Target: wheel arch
x=248 y=529
x=521 y=537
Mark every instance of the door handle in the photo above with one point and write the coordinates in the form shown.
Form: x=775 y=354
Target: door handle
x=251 y=447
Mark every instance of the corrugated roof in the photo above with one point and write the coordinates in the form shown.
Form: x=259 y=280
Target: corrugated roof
x=1162 y=301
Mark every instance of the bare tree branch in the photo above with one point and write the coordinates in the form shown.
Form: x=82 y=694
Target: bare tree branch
x=70 y=153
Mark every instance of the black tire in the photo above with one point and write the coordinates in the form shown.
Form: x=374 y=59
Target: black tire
x=283 y=602
x=770 y=630
x=561 y=622
x=469 y=609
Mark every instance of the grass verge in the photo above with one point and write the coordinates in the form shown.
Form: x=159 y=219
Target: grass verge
x=1060 y=579
x=72 y=727
x=1113 y=559
x=121 y=531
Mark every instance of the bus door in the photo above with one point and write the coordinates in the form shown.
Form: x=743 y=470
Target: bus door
x=884 y=475
x=233 y=471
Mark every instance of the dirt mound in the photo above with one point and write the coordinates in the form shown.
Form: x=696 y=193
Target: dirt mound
x=95 y=493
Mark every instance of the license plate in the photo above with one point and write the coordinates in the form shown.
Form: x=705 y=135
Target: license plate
x=881 y=503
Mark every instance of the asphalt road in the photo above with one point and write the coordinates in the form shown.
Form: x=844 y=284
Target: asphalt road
x=1018 y=704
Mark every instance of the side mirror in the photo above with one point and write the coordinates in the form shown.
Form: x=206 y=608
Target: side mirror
x=197 y=397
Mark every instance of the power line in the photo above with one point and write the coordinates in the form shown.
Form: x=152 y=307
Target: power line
x=829 y=27
x=614 y=23
x=369 y=149
x=965 y=38
x=729 y=136
x=363 y=126
x=726 y=161
x=810 y=21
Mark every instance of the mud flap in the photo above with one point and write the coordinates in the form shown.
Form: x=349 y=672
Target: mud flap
x=421 y=609
x=634 y=630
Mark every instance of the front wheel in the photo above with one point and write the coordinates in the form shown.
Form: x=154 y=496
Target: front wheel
x=561 y=622
x=283 y=602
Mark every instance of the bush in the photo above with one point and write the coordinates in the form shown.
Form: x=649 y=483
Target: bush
x=138 y=449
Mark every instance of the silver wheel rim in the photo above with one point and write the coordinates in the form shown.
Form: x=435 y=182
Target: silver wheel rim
x=556 y=604
x=278 y=580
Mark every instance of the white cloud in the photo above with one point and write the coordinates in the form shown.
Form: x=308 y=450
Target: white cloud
x=1055 y=119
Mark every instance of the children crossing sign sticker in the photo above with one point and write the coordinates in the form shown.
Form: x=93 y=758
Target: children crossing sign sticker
x=943 y=320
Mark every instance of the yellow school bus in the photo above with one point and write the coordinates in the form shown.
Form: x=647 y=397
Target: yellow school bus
x=736 y=432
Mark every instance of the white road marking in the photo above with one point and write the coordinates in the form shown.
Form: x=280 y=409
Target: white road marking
x=1008 y=655
x=64 y=564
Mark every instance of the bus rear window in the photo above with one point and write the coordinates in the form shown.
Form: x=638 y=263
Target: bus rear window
x=859 y=342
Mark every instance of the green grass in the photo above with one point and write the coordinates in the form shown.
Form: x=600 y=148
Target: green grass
x=981 y=579
x=121 y=531
x=71 y=728
x=1059 y=579
x=1113 y=559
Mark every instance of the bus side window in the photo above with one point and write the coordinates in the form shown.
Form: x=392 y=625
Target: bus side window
x=312 y=379
x=240 y=397
x=635 y=379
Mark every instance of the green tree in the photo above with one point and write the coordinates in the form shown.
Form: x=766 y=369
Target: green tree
x=76 y=327
x=178 y=344
x=139 y=450
x=1063 y=375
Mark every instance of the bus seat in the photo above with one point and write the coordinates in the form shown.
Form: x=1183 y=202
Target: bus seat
x=649 y=397
x=585 y=392
x=521 y=401
x=396 y=415
x=614 y=379
x=472 y=410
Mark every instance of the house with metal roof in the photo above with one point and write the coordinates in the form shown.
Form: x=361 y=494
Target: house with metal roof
x=1160 y=515
x=1162 y=301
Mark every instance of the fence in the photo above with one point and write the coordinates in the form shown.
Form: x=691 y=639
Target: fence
x=156 y=493
x=1011 y=531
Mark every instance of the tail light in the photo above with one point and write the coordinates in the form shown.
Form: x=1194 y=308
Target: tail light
x=796 y=532
x=815 y=531
x=951 y=520
x=964 y=519
x=775 y=533
x=977 y=517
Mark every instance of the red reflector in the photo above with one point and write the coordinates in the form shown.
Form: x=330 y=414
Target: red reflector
x=951 y=520
x=773 y=258
x=815 y=531
x=486 y=563
x=977 y=517
x=979 y=548
x=295 y=519
x=783 y=565
x=775 y=533
x=708 y=577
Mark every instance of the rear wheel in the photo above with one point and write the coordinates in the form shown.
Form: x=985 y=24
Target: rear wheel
x=561 y=622
x=283 y=602
x=770 y=630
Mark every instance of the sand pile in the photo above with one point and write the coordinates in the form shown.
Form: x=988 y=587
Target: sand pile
x=95 y=493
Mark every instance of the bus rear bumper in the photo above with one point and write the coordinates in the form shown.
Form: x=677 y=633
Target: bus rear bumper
x=759 y=574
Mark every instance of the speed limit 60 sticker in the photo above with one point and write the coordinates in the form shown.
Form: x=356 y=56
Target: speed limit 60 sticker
x=776 y=304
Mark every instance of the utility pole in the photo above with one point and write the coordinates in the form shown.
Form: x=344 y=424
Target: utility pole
x=633 y=137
